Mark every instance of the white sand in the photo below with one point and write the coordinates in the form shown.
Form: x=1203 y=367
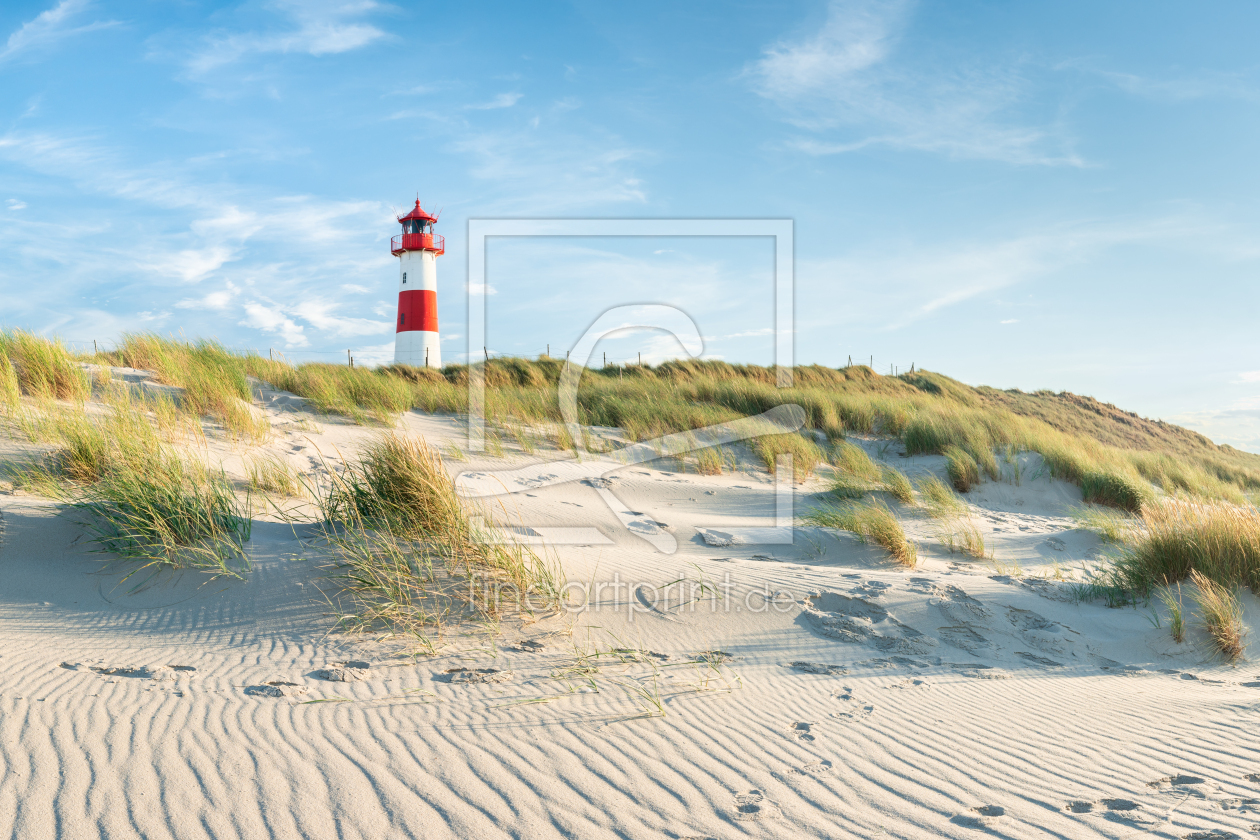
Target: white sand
x=947 y=701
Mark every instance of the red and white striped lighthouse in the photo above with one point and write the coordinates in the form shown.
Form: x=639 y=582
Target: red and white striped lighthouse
x=416 y=342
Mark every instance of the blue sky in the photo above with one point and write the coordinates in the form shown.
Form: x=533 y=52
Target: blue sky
x=1022 y=195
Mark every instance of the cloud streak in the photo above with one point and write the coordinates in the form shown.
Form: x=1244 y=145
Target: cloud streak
x=317 y=29
x=48 y=28
x=847 y=86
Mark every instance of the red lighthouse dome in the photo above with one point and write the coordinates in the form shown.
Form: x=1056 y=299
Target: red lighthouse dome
x=417 y=233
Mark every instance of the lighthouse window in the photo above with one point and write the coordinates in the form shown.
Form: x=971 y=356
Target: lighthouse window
x=402 y=318
x=404 y=277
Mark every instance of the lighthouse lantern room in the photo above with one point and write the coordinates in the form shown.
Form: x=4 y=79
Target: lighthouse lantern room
x=417 y=247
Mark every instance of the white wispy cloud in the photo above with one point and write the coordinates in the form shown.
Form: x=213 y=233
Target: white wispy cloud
x=319 y=313
x=1191 y=85
x=749 y=333
x=915 y=283
x=15 y=204
x=1010 y=321
x=217 y=301
x=554 y=174
x=845 y=85
x=49 y=27
x=480 y=289
x=247 y=240
x=190 y=265
x=316 y=27
x=272 y=320
x=503 y=100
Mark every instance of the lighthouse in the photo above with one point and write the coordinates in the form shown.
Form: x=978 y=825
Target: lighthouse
x=417 y=248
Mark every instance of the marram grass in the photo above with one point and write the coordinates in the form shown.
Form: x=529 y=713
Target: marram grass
x=872 y=522
x=1115 y=461
x=411 y=554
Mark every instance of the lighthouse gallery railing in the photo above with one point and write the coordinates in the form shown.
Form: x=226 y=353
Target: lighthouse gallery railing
x=417 y=242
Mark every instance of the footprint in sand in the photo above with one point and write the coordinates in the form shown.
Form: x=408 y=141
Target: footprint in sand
x=963 y=637
x=753 y=805
x=276 y=688
x=859 y=621
x=854 y=710
x=143 y=672
x=819 y=668
x=977 y=671
x=1038 y=631
x=910 y=682
x=800 y=730
x=1115 y=805
x=1212 y=834
x=477 y=675
x=1179 y=780
x=351 y=671
x=982 y=816
x=960 y=607
x=814 y=768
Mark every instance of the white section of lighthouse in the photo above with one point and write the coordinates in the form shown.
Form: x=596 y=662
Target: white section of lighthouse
x=418 y=247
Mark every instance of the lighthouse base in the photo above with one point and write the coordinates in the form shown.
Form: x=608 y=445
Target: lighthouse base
x=419 y=348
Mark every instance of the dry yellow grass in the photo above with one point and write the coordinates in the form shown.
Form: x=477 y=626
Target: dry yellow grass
x=1176 y=537
x=872 y=522
x=1221 y=614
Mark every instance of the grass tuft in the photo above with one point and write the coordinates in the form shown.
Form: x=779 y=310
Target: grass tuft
x=44 y=369
x=964 y=472
x=273 y=475
x=941 y=502
x=10 y=390
x=872 y=522
x=1176 y=618
x=1217 y=540
x=409 y=549
x=897 y=485
x=1221 y=614
x=855 y=473
x=964 y=537
x=1111 y=527
x=1115 y=490
x=165 y=512
x=805 y=453
x=709 y=461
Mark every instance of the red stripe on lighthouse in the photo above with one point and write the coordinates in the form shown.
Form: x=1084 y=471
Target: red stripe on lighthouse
x=417 y=310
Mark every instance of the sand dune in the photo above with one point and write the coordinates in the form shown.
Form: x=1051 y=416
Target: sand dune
x=862 y=700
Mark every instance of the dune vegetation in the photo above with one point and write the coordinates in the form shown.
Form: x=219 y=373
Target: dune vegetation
x=1128 y=464
x=408 y=553
x=872 y=522
x=1117 y=459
